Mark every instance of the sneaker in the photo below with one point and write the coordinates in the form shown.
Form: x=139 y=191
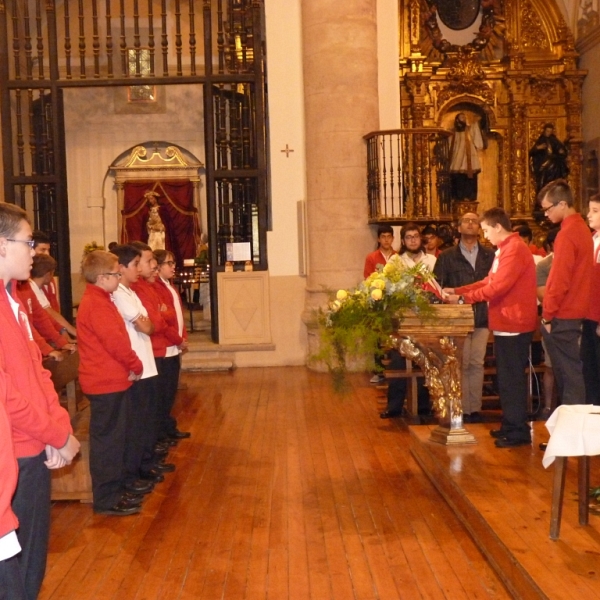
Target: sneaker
x=377 y=378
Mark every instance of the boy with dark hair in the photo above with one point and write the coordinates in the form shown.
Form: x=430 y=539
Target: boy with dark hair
x=163 y=336
x=385 y=239
x=41 y=428
x=510 y=291
x=141 y=461
x=108 y=366
x=412 y=251
x=42 y=274
x=42 y=246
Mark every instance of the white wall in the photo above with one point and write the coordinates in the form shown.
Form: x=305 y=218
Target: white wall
x=286 y=118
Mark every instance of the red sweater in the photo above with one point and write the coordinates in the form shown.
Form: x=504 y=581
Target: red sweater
x=43 y=325
x=594 y=310
x=164 y=334
x=170 y=314
x=568 y=287
x=105 y=354
x=374 y=259
x=32 y=405
x=509 y=289
x=8 y=466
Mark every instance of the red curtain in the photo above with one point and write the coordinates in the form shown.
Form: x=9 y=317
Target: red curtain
x=176 y=209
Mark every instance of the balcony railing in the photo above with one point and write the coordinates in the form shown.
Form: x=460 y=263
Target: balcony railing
x=407 y=174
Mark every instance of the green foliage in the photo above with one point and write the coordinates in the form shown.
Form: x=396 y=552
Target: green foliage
x=357 y=323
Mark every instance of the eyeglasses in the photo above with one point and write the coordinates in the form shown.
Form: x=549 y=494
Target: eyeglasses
x=117 y=275
x=30 y=243
x=168 y=262
x=547 y=209
x=412 y=237
x=469 y=220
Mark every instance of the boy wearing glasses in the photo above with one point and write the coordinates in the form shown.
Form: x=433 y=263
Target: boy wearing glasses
x=568 y=289
x=107 y=368
x=40 y=427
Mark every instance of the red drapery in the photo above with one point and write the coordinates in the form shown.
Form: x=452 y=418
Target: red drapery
x=176 y=209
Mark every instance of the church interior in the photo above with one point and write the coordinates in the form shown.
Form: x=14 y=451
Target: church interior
x=274 y=137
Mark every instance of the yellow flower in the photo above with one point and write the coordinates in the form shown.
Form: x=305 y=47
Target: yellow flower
x=378 y=284
x=336 y=305
x=388 y=269
x=376 y=294
x=341 y=295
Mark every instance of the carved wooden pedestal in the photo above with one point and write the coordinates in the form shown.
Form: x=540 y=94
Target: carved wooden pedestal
x=436 y=346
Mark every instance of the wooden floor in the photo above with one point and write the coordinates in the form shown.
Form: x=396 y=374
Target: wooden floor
x=284 y=491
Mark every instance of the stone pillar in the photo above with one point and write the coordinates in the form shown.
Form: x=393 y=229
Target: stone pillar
x=341 y=104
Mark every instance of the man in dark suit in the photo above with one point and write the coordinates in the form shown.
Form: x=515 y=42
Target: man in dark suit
x=466 y=263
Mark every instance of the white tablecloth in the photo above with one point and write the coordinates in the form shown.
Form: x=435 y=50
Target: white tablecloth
x=574 y=431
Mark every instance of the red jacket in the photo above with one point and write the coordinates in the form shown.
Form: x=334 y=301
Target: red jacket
x=164 y=334
x=374 y=259
x=105 y=354
x=594 y=310
x=568 y=287
x=8 y=466
x=32 y=405
x=170 y=314
x=509 y=289
x=43 y=325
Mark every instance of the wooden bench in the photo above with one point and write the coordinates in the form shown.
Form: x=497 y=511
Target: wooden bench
x=64 y=377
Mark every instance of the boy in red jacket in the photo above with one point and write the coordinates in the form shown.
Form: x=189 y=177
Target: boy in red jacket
x=510 y=290
x=107 y=368
x=41 y=428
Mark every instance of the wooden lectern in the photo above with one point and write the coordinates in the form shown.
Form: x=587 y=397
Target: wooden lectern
x=436 y=345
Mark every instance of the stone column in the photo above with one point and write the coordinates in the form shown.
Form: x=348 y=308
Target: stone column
x=341 y=104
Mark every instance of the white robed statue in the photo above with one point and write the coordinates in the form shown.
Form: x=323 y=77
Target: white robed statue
x=464 y=160
x=154 y=225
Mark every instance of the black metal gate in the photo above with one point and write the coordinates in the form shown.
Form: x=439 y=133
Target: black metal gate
x=47 y=46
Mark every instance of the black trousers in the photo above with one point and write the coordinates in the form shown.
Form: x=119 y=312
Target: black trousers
x=512 y=355
x=142 y=419
x=168 y=379
x=11 y=582
x=562 y=344
x=590 y=358
x=31 y=504
x=396 y=387
x=108 y=428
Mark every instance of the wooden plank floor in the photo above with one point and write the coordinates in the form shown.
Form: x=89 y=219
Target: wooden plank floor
x=285 y=490
x=504 y=498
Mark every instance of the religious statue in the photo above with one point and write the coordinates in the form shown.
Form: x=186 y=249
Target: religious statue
x=548 y=158
x=464 y=161
x=154 y=225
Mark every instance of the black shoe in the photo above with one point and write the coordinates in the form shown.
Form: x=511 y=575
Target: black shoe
x=153 y=476
x=179 y=435
x=389 y=414
x=474 y=417
x=543 y=446
x=160 y=450
x=497 y=433
x=120 y=509
x=139 y=487
x=508 y=443
x=132 y=499
x=162 y=467
x=168 y=442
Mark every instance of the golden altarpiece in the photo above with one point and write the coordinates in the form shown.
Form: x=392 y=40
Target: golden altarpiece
x=512 y=68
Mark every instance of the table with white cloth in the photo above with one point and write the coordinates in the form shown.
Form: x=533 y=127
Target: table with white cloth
x=574 y=431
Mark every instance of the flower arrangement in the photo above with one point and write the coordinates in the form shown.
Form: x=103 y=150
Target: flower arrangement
x=357 y=323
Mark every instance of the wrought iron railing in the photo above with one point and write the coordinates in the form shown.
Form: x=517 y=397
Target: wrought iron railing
x=407 y=174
